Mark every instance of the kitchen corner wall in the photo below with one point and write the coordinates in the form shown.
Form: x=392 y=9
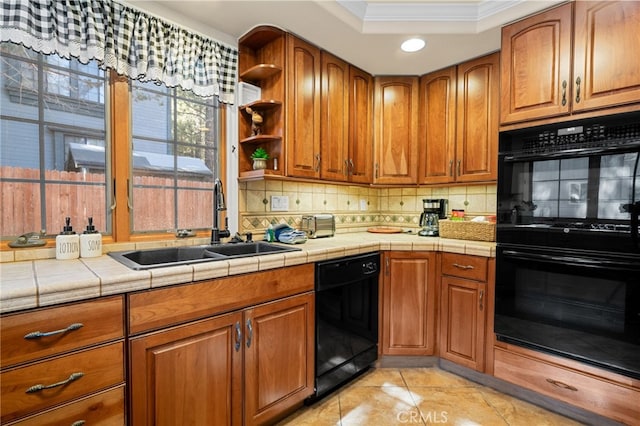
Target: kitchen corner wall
x=355 y=208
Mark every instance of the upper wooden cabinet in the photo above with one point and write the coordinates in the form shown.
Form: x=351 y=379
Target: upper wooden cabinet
x=605 y=35
x=542 y=76
x=477 y=119
x=396 y=130
x=302 y=109
x=437 y=126
x=360 y=127
x=334 y=128
x=347 y=107
x=458 y=130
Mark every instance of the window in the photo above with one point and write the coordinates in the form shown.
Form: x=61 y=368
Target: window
x=63 y=154
x=48 y=104
x=174 y=158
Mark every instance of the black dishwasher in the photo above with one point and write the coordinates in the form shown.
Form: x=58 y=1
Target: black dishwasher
x=346 y=319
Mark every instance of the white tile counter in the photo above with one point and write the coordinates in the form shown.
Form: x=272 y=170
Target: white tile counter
x=46 y=282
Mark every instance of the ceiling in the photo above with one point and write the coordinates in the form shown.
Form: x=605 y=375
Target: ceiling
x=366 y=33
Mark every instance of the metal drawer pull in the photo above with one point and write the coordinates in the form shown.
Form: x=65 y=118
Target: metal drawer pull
x=39 y=334
x=78 y=423
x=250 y=335
x=562 y=385
x=481 y=299
x=463 y=266
x=72 y=378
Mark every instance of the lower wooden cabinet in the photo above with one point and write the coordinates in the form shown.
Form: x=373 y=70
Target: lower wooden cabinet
x=409 y=303
x=102 y=409
x=601 y=392
x=462 y=322
x=466 y=310
x=41 y=385
x=64 y=364
x=245 y=367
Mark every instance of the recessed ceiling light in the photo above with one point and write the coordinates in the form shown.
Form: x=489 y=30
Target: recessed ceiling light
x=412 y=45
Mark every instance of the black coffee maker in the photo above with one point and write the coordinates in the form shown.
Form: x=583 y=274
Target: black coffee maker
x=432 y=211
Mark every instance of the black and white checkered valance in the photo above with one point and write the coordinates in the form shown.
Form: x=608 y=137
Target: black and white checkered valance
x=132 y=43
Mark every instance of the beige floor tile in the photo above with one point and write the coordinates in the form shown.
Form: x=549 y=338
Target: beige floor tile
x=456 y=406
x=380 y=377
x=433 y=377
x=325 y=412
x=520 y=413
x=420 y=396
x=380 y=406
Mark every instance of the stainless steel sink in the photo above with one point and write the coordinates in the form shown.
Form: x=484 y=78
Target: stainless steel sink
x=247 y=249
x=171 y=256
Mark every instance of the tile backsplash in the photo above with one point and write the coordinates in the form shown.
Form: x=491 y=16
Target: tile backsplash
x=356 y=208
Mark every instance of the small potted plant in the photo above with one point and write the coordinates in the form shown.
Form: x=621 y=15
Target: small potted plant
x=260 y=158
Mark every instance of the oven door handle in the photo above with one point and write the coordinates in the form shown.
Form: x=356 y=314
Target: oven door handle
x=574 y=261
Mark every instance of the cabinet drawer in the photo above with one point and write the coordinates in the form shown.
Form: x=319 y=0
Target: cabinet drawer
x=591 y=393
x=104 y=408
x=464 y=266
x=101 y=320
x=94 y=369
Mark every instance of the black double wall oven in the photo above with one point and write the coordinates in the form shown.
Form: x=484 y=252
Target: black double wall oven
x=568 y=252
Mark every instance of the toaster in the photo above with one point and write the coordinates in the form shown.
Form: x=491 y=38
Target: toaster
x=319 y=225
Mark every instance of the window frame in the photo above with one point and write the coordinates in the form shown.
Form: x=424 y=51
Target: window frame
x=118 y=107
x=120 y=112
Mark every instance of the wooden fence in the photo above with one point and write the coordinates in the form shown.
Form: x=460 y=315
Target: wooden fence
x=81 y=195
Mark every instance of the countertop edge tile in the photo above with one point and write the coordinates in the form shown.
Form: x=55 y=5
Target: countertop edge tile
x=45 y=282
x=169 y=275
x=18 y=294
x=210 y=270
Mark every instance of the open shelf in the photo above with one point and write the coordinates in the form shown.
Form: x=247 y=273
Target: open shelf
x=258 y=174
x=261 y=139
x=262 y=104
x=260 y=72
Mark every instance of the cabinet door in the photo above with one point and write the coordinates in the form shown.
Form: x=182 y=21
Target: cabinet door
x=409 y=303
x=334 y=132
x=396 y=147
x=462 y=322
x=303 y=108
x=535 y=70
x=477 y=119
x=360 y=127
x=437 y=126
x=605 y=69
x=279 y=357
x=190 y=374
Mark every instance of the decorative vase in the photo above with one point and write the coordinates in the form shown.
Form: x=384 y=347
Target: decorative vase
x=259 y=163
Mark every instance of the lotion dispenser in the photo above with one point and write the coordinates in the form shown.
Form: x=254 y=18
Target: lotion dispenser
x=90 y=241
x=67 y=243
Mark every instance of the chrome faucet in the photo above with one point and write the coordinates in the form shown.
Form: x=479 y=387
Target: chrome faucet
x=218 y=206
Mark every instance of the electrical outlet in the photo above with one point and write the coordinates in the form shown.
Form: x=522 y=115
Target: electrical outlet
x=279 y=203
x=363 y=204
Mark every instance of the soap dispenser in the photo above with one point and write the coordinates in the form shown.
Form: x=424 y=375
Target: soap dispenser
x=90 y=241
x=67 y=243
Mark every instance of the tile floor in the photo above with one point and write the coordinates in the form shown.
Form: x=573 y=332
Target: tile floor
x=420 y=396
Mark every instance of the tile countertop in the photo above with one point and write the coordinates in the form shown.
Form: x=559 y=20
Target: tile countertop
x=46 y=282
